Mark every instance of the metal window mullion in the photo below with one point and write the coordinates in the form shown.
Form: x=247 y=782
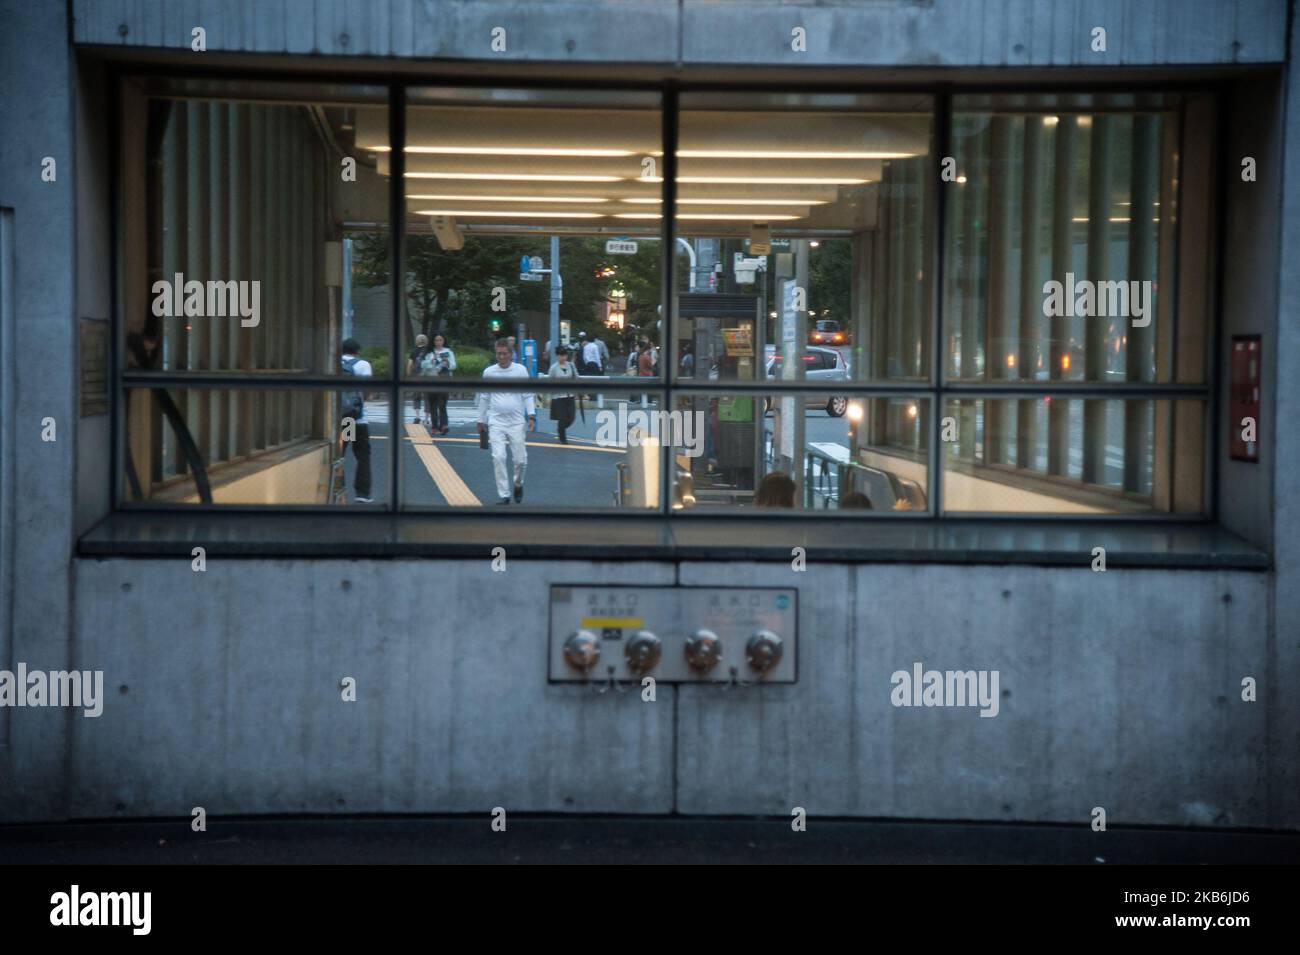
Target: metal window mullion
x=218 y=268
x=396 y=231
x=1143 y=190
x=1063 y=184
x=256 y=219
x=1168 y=254
x=939 y=232
x=1030 y=326
x=669 y=112
x=1212 y=326
x=997 y=292
x=1100 y=181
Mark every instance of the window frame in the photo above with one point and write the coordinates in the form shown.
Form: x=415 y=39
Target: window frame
x=937 y=390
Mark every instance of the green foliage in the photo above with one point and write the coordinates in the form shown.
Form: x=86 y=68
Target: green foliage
x=470 y=362
x=455 y=288
x=830 y=279
x=377 y=355
x=637 y=275
x=453 y=292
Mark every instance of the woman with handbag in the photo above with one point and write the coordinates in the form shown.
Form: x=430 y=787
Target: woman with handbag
x=562 y=405
x=439 y=362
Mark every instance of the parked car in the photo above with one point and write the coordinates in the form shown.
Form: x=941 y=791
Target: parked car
x=820 y=364
x=827 y=332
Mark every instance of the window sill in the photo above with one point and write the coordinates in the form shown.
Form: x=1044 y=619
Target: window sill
x=1129 y=544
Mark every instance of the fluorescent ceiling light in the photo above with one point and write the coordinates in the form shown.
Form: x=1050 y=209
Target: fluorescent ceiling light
x=773 y=180
x=733 y=202
x=747 y=217
x=557 y=199
x=753 y=216
x=511 y=177
x=511 y=151
x=786 y=154
x=1111 y=219
x=501 y=214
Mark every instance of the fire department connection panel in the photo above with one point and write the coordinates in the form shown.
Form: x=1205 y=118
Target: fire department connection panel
x=741 y=635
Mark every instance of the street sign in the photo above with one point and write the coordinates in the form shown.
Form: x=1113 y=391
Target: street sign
x=524 y=263
x=620 y=247
x=789 y=317
x=535 y=264
x=531 y=276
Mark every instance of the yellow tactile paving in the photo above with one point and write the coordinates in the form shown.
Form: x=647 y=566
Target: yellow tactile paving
x=444 y=475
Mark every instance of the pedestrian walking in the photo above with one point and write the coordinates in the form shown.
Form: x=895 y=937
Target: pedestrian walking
x=562 y=406
x=591 y=358
x=352 y=406
x=646 y=360
x=503 y=417
x=414 y=358
x=440 y=362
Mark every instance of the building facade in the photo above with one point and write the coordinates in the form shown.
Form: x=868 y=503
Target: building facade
x=1075 y=503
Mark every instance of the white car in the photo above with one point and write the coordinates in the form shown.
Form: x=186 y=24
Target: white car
x=820 y=364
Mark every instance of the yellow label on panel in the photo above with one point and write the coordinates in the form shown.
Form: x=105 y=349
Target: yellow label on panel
x=625 y=623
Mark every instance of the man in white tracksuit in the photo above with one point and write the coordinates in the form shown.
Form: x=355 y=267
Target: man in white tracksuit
x=503 y=414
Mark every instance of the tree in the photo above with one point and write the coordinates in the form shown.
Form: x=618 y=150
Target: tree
x=453 y=292
x=830 y=278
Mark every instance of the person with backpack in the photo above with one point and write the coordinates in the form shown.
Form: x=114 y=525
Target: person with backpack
x=439 y=361
x=352 y=405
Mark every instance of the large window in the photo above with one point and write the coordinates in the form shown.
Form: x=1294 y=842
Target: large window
x=627 y=301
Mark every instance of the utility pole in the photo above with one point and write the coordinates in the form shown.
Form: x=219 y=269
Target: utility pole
x=555 y=298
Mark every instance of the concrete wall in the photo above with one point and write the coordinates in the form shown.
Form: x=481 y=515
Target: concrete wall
x=1118 y=690
x=1284 y=636
x=239 y=710
x=1124 y=687
x=895 y=33
x=1250 y=249
x=37 y=116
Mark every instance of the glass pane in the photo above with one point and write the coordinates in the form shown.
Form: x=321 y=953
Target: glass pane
x=806 y=452
x=804 y=220
x=584 y=450
x=1073 y=456
x=521 y=226
x=1051 y=273
x=273 y=447
x=251 y=212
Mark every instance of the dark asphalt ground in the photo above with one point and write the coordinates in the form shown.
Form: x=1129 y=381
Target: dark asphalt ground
x=581 y=475
x=581 y=840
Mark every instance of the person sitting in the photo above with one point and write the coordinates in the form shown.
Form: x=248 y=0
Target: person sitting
x=775 y=490
x=855 y=500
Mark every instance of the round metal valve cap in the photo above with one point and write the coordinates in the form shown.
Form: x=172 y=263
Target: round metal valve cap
x=582 y=650
x=763 y=651
x=703 y=649
x=643 y=651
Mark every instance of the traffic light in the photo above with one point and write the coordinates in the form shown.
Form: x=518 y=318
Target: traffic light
x=496 y=325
